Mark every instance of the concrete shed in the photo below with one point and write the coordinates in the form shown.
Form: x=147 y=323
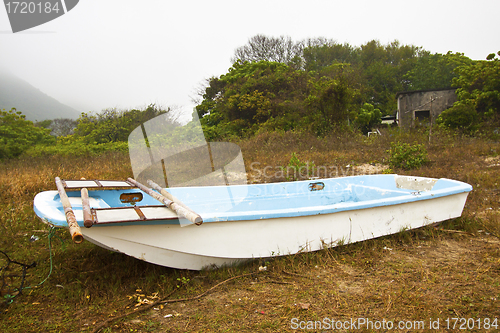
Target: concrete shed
x=422 y=107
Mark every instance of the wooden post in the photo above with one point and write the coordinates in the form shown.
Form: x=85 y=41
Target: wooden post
x=180 y=210
x=74 y=229
x=87 y=216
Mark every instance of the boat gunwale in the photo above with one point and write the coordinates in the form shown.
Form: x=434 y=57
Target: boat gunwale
x=225 y=216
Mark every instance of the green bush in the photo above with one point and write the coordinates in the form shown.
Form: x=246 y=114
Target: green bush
x=406 y=156
x=463 y=117
x=18 y=134
x=368 y=117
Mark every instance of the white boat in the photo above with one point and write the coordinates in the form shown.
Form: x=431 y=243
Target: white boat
x=242 y=222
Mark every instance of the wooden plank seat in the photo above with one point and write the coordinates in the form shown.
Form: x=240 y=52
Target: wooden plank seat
x=94 y=183
x=131 y=214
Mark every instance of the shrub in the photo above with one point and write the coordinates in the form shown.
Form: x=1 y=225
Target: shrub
x=462 y=116
x=368 y=117
x=18 y=134
x=406 y=156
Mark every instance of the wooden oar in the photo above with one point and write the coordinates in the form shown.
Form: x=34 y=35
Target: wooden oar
x=87 y=215
x=166 y=194
x=74 y=229
x=178 y=208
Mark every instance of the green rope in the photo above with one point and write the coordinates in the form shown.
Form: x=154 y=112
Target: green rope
x=52 y=233
x=10 y=298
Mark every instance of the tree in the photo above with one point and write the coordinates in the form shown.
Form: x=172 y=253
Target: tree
x=113 y=125
x=478 y=85
x=435 y=71
x=378 y=69
x=383 y=68
x=62 y=126
x=367 y=117
x=275 y=96
x=18 y=134
x=316 y=84
x=44 y=123
x=276 y=49
x=328 y=102
x=250 y=93
x=320 y=56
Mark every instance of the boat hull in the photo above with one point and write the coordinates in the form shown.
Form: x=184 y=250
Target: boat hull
x=226 y=243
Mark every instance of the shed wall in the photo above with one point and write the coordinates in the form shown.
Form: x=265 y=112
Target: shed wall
x=412 y=105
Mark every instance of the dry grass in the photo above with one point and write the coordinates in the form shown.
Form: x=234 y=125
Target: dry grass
x=452 y=270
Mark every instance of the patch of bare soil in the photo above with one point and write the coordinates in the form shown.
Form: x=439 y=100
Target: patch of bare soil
x=492 y=161
x=370 y=169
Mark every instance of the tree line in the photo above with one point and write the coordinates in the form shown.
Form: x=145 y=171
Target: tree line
x=318 y=84
x=91 y=132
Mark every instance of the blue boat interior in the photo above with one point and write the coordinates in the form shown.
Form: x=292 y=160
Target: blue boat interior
x=274 y=200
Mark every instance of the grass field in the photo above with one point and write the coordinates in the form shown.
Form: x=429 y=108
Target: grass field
x=420 y=279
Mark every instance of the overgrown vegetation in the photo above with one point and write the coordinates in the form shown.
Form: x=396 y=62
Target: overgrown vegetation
x=317 y=84
x=113 y=125
x=91 y=134
x=273 y=96
x=18 y=134
x=405 y=156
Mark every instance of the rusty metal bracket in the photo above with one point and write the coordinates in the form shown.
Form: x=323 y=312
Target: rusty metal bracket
x=94 y=216
x=318 y=186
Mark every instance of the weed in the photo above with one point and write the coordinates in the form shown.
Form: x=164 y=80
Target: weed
x=406 y=156
x=296 y=169
x=183 y=281
x=388 y=171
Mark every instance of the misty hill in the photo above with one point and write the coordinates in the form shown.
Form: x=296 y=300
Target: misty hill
x=19 y=94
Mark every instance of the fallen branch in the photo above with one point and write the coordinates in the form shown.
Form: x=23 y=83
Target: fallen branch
x=295 y=274
x=277 y=282
x=455 y=231
x=206 y=292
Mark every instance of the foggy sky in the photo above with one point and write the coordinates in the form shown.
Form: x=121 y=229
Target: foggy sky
x=128 y=54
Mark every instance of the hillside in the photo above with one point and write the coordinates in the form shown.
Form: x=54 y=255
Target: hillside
x=17 y=93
